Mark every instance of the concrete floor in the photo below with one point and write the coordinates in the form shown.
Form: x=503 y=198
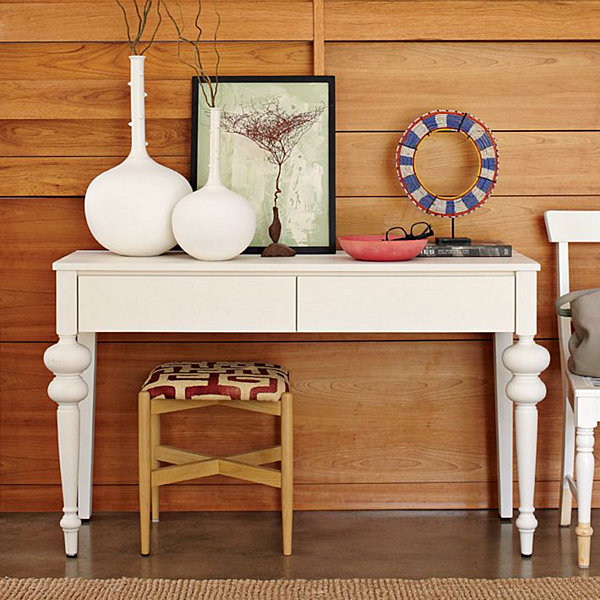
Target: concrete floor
x=403 y=544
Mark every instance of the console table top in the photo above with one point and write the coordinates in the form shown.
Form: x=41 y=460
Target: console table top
x=339 y=263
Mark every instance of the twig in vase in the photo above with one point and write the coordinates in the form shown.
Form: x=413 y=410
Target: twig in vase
x=208 y=85
x=141 y=15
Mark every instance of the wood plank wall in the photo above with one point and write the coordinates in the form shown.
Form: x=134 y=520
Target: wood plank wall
x=382 y=421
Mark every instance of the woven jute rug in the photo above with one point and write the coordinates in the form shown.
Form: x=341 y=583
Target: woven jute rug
x=576 y=588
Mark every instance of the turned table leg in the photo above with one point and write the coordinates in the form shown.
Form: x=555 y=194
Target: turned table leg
x=526 y=360
x=67 y=359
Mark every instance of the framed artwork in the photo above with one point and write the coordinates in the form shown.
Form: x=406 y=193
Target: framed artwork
x=277 y=150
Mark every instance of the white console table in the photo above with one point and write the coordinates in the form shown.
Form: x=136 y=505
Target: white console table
x=97 y=291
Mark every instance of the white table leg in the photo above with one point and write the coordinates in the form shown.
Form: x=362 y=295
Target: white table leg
x=584 y=465
x=67 y=359
x=504 y=427
x=526 y=360
x=86 y=442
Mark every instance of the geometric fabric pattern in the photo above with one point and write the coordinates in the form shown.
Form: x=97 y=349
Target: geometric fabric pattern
x=484 y=143
x=217 y=380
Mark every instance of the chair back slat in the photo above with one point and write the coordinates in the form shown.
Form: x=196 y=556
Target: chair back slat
x=562 y=264
x=573 y=225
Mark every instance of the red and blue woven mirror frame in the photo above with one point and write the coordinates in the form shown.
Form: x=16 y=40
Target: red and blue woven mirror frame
x=484 y=143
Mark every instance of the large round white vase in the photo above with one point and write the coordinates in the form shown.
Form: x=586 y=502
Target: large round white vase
x=214 y=223
x=128 y=208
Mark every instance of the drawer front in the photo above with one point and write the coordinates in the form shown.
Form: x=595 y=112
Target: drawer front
x=186 y=303
x=409 y=304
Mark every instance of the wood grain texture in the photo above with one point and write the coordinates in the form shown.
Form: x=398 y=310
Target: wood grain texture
x=101 y=21
x=364 y=438
x=62 y=176
x=538 y=163
x=63 y=137
x=365 y=166
x=486 y=79
x=92 y=99
x=528 y=75
x=309 y=496
x=360 y=424
x=319 y=37
x=363 y=20
x=89 y=61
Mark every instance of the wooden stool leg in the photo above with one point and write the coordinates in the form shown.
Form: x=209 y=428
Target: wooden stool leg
x=145 y=460
x=155 y=441
x=287 y=471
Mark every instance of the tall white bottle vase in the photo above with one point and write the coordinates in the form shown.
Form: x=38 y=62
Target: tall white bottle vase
x=128 y=208
x=214 y=223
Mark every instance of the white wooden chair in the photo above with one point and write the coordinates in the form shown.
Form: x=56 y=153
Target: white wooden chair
x=581 y=399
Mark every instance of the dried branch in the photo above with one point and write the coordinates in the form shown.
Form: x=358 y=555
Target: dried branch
x=208 y=86
x=141 y=16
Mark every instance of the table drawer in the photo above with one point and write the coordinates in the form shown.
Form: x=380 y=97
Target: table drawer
x=186 y=303
x=411 y=304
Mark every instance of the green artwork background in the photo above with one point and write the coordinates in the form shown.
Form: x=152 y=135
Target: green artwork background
x=304 y=201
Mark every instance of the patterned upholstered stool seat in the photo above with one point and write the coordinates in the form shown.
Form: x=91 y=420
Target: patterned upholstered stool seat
x=211 y=380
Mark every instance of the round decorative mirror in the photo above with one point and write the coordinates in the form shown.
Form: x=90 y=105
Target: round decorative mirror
x=459 y=186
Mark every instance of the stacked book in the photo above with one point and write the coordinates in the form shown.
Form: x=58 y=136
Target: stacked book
x=467 y=249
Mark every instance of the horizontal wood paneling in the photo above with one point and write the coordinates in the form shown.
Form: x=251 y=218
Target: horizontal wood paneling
x=365 y=166
x=36 y=231
x=101 y=20
x=307 y=496
x=394 y=422
x=394 y=83
x=88 y=61
x=535 y=163
x=372 y=417
x=93 y=82
x=79 y=137
x=367 y=435
x=364 y=20
x=92 y=99
x=62 y=176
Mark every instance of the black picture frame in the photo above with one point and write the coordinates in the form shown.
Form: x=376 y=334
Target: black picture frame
x=198 y=100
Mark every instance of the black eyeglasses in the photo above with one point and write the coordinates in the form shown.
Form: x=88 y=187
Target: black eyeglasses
x=418 y=231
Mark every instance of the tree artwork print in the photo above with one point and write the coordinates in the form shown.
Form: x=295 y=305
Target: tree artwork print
x=277 y=140
x=277 y=132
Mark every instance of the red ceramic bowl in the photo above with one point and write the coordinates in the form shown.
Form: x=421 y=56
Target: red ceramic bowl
x=376 y=248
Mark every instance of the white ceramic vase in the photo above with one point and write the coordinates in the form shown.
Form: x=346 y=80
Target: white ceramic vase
x=214 y=223
x=128 y=208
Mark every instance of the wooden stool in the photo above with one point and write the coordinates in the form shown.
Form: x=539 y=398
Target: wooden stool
x=176 y=386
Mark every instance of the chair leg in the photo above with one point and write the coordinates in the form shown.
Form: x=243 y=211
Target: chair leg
x=155 y=441
x=568 y=460
x=145 y=461
x=287 y=471
x=584 y=465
